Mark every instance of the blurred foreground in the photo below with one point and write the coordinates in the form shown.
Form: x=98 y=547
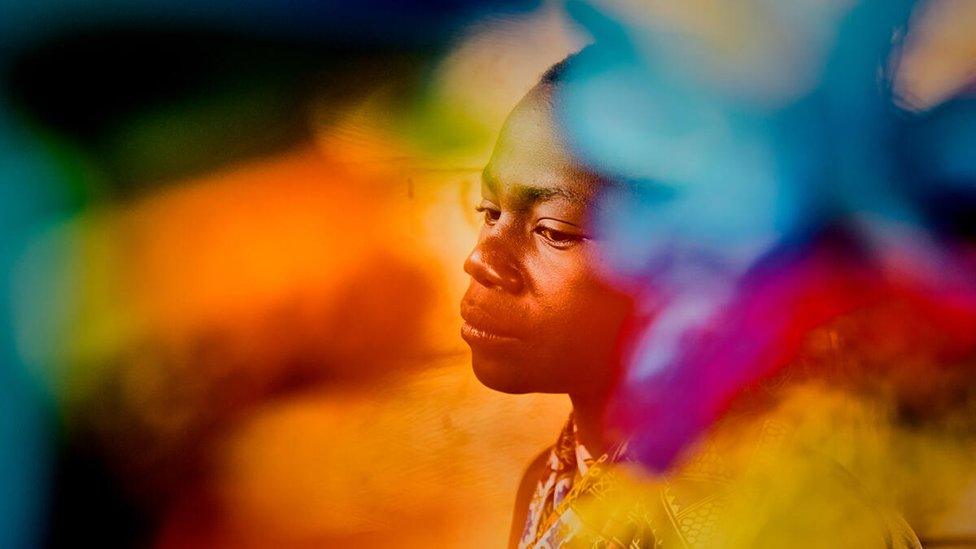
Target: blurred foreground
x=233 y=241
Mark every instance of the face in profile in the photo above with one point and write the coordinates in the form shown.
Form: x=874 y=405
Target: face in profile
x=538 y=315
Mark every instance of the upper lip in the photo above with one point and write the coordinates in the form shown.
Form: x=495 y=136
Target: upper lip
x=486 y=321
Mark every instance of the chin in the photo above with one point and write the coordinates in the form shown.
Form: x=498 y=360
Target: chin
x=499 y=375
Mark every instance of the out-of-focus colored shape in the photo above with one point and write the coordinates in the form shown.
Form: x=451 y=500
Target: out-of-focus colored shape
x=243 y=301
x=473 y=88
x=251 y=318
x=815 y=467
x=421 y=463
x=770 y=186
x=939 y=56
x=29 y=196
x=303 y=281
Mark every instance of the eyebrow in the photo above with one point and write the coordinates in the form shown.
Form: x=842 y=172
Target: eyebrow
x=525 y=195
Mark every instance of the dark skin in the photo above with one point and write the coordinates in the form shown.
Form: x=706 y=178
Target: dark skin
x=539 y=314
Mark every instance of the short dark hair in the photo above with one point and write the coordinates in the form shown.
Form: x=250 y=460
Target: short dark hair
x=557 y=72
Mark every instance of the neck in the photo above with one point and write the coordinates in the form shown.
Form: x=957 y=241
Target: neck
x=588 y=412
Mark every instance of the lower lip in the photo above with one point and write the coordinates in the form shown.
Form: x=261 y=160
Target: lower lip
x=476 y=335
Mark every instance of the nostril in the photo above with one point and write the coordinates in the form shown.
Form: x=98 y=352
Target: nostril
x=493 y=270
x=474 y=264
x=478 y=266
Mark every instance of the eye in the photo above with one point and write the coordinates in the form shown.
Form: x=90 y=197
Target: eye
x=558 y=239
x=491 y=213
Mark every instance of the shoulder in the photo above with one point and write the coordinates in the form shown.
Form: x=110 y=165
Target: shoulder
x=526 y=489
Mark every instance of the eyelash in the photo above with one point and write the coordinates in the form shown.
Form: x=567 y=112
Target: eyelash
x=491 y=215
x=557 y=239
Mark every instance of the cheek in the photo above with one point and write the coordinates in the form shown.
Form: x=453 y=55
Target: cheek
x=579 y=314
x=585 y=315
x=579 y=284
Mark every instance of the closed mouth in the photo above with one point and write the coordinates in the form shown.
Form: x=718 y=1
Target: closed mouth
x=482 y=327
x=472 y=333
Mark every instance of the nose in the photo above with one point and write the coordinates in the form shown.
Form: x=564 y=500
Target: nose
x=493 y=267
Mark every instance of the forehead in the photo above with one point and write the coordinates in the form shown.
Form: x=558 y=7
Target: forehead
x=531 y=157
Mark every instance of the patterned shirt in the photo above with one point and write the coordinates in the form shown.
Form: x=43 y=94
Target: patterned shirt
x=592 y=503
